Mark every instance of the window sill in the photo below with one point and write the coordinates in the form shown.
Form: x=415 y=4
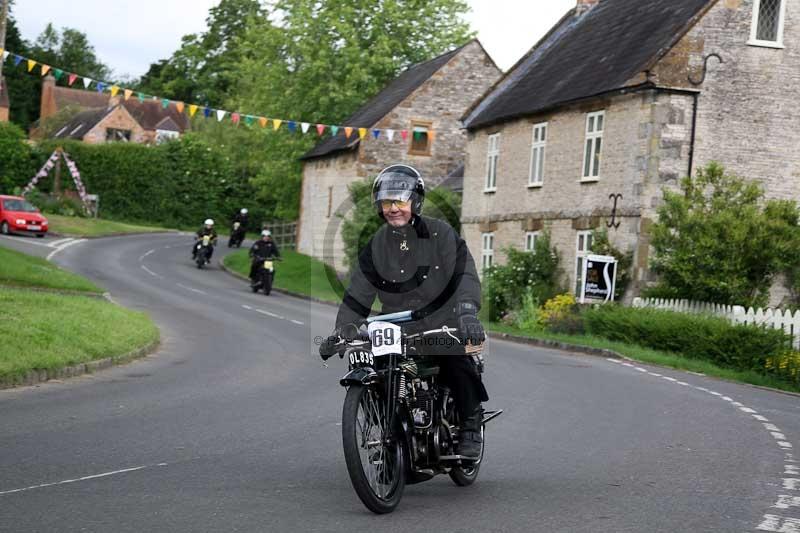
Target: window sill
x=420 y=154
x=490 y=191
x=766 y=44
x=535 y=185
x=590 y=180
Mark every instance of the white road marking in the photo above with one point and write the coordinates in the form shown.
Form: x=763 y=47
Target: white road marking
x=297 y=322
x=59 y=242
x=656 y=375
x=273 y=315
x=145 y=255
x=640 y=369
x=627 y=364
x=761 y=418
x=64 y=247
x=702 y=389
x=95 y=476
x=784 y=444
x=748 y=410
x=784 y=502
x=613 y=360
x=727 y=398
x=714 y=393
x=791 y=483
x=779 y=524
x=738 y=404
x=151 y=272
x=682 y=383
x=792 y=470
x=26 y=241
x=778 y=436
x=190 y=289
x=247 y=307
x=668 y=378
x=771 y=427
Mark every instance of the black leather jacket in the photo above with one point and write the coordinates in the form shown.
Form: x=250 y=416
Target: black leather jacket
x=205 y=231
x=264 y=250
x=424 y=266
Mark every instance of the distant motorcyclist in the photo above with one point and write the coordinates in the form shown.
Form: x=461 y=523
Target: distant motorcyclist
x=207 y=229
x=238 y=228
x=262 y=250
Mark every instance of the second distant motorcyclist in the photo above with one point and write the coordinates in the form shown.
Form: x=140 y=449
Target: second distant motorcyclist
x=262 y=250
x=207 y=229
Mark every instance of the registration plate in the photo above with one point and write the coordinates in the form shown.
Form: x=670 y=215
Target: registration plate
x=268 y=265
x=34 y=228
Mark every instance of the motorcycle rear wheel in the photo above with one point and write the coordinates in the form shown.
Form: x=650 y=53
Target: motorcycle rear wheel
x=375 y=467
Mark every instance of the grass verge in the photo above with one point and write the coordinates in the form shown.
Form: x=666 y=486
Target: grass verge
x=297 y=273
x=94 y=227
x=47 y=331
x=27 y=271
x=647 y=355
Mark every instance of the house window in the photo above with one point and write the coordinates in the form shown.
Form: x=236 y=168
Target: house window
x=114 y=134
x=530 y=241
x=594 y=145
x=582 y=249
x=767 y=25
x=492 y=157
x=487 y=250
x=420 y=139
x=163 y=136
x=536 y=174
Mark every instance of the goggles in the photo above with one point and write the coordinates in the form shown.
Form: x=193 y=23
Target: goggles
x=401 y=204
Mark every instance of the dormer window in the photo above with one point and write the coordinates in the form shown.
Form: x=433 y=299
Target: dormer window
x=767 y=25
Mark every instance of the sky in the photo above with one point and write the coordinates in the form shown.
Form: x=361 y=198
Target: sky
x=129 y=36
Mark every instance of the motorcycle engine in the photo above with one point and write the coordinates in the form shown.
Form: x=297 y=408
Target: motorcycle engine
x=421 y=404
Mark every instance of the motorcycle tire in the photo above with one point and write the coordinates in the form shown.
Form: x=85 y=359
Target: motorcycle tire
x=366 y=402
x=267 y=284
x=230 y=243
x=466 y=473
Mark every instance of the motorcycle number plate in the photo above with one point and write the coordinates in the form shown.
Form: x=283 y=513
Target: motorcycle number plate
x=235 y=225
x=268 y=265
x=361 y=357
x=206 y=240
x=386 y=338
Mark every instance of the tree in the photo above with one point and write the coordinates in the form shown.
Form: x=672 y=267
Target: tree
x=16 y=167
x=69 y=49
x=21 y=86
x=718 y=240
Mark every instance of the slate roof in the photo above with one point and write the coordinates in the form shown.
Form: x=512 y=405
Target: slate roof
x=381 y=104
x=86 y=99
x=82 y=123
x=587 y=55
x=149 y=114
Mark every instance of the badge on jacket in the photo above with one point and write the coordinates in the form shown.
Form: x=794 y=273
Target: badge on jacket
x=404 y=246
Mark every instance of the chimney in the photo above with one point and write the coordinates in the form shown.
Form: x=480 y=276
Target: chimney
x=585 y=5
x=48 y=107
x=4 y=106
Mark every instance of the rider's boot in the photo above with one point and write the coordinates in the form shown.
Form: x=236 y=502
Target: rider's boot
x=470 y=440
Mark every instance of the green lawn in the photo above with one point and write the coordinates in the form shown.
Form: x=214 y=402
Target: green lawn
x=646 y=355
x=41 y=331
x=297 y=273
x=27 y=271
x=94 y=227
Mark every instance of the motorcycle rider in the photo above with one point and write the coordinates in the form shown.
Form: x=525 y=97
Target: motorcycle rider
x=420 y=263
x=241 y=217
x=262 y=250
x=207 y=229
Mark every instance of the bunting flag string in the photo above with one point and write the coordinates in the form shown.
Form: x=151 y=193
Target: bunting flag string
x=207 y=112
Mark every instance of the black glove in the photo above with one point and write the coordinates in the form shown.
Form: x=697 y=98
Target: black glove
x=330 y=345
x=469 y=327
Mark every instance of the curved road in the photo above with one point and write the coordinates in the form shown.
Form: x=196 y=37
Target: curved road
x=233 y=425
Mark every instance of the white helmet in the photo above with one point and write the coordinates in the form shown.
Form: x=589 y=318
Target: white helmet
x=266 y=233
x=243 y=211
x=209 y=222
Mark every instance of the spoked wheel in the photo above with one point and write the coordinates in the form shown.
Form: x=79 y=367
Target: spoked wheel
x=267 y=283
x=466 y=473
x=375 y=463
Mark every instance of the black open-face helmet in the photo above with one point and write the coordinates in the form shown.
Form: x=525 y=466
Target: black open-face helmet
x=399 y=182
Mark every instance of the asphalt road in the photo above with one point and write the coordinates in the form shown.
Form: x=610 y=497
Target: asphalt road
x=233 y=425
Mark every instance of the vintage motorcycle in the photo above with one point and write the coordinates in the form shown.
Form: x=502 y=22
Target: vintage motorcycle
x=237 y=235
x=202 y=250
x=399 y=424
x=265 y=274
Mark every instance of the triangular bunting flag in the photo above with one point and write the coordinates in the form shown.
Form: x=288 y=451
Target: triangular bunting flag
x=141 y=97
x=206 y=112
x=431 y=135
x=362 y=132
x=304 y=127
x=72 y=78
x=334 y=130
x=235 y=118
x=114 y=90
x=179 y=106
x=45 y=69
x=31 y=64
x=417 y=135
x=192 y=110
x=404 y=134
x=376 y=133
x=292 y=125
x=276 y=123
x=87 y=82
x=249 y=119
x=390 y=134
x=57 y=73
x=17 y=60
x=128 y=93
x=320 y=129
x=101 y=86
x=165 y=103
x=263 y=121
x=2 y=53
x=5 y=55
x=347 y=131
x=221 y=114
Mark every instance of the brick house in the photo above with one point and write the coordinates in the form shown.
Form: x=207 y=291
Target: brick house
x=625 y=97
x=103 y=118
x=427 y=101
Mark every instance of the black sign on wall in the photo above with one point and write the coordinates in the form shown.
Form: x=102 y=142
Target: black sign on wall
x=599 y=279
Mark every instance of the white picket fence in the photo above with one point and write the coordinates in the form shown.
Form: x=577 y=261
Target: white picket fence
x=774 y=318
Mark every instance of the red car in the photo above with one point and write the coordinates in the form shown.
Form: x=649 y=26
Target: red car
x=17 y=215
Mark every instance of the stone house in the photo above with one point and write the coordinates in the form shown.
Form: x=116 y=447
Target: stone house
x=619 y=100
x=423 y=106
x=103 y=118
x=4 y=103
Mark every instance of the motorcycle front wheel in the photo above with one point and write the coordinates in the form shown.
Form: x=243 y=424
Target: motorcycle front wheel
x=374 y=462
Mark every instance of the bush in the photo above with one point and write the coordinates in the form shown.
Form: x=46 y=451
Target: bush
x=536 y=274
x=561 y=315
x=785 y=366
x=16 y=165
x=715 y=339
